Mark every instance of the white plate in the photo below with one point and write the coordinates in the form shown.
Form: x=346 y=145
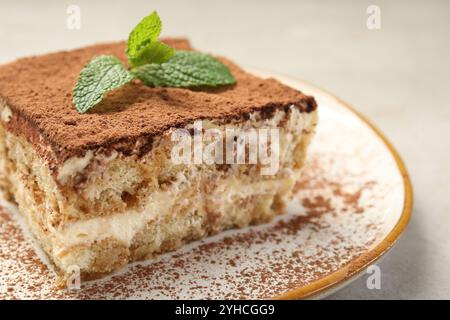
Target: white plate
x=353 y=201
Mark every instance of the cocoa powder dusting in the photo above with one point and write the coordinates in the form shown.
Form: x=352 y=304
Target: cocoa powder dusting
x=38 y=91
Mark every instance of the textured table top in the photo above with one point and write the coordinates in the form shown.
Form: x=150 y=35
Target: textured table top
x=398 y=75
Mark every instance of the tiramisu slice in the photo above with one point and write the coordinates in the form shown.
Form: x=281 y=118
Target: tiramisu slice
x=103 y=188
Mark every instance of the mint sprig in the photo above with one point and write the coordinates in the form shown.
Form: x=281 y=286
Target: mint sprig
x=153 y=62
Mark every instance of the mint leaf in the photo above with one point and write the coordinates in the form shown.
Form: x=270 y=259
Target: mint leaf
x=153 y=62
x=100 y=75
x=147 y=31
x=186 y=69
x=155 y=52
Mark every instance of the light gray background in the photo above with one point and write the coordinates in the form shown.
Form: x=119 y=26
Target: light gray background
x=398 y=76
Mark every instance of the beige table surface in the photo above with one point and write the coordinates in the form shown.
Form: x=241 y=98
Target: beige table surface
x=399 y=76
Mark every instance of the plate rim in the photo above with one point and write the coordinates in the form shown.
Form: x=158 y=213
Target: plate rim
x=357 y=266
